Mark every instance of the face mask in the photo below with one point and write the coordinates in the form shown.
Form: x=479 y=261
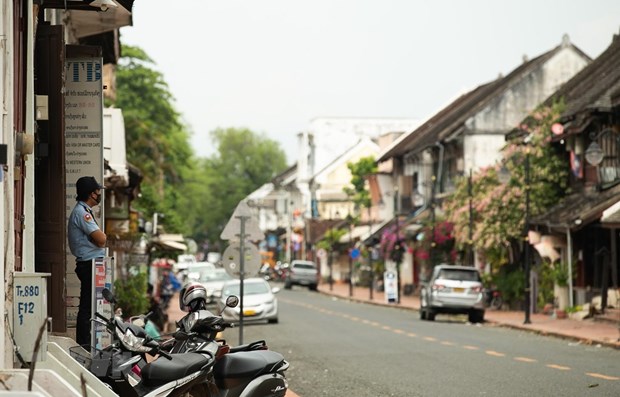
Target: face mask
x=98 y=199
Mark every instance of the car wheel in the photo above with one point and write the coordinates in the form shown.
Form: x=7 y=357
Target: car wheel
x=430 y=315
x=422 y=314
x=312 y=287
x=476 y=316
x=287 y=284
x=273 y=320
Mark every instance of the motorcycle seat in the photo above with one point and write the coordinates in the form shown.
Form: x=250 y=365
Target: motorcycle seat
x=162 y=370
x=247 y=364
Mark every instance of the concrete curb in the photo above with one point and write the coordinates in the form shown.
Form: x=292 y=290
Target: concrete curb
x=585 y=341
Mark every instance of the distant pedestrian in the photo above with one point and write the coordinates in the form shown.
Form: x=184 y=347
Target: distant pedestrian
x=169 y=285
x=86 y=241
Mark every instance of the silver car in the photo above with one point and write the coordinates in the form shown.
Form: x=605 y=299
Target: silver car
x=213 y=281
x=259 y=301
x=453 y=290
x=302 y=272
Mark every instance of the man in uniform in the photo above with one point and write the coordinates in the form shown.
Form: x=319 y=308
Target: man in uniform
x=86 y=242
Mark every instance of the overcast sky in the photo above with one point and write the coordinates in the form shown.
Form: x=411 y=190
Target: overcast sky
x=273 y=65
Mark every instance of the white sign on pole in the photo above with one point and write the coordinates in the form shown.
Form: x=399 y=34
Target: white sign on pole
x=390 y=285
x=231 y=259
x=232 y=230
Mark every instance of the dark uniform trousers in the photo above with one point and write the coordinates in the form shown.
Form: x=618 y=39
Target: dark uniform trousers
x=84 y=271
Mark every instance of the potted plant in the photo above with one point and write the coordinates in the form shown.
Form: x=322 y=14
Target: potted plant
x=560 y=284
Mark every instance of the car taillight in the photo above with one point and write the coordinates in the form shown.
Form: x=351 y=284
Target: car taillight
x=438 y=287
x=476 y=289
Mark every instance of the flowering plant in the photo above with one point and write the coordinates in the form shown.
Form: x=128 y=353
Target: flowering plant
x=393 y=243
x=498 y=202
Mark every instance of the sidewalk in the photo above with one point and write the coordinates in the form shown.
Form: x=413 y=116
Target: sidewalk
x=586 y=331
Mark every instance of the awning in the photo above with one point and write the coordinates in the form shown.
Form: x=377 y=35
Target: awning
x=360 y=231
x=611 y=216
x=375 y=237
x=170 y=242
x=89 y=21
x=578 y=210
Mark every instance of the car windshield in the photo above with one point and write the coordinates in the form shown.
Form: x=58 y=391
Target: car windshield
x=307 y=266
x=248 y=289
x=456 y=274
x=215 y=276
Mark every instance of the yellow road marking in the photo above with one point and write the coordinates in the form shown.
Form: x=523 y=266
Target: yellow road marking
x=601 y=376
x=447 y=343
x=525 y=359
x=399 y=331
x=430 y=339
x=469 y=347
x=494 y=353
x=411 y=334
x=385 y=327
x=560 y=367
x=354 y=318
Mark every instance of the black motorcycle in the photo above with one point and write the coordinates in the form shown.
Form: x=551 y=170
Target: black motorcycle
x=249 y=370
x=124 y=367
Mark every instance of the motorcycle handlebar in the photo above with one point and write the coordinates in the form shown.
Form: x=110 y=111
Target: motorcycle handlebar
x=102 y=317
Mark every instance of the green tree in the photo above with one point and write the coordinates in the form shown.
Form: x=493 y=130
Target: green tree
x=329 y=242
x=360 y=170
x=157 y=140
x=244 y=161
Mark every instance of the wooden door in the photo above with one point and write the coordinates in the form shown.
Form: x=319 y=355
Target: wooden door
x=50 y=201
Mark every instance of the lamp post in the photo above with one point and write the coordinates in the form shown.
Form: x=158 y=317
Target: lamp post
x=470 y=252
x=350 y=255
x=526 y=235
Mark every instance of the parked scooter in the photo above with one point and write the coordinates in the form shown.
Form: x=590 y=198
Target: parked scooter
x=249 y=370
x=123 y=366
x=493 y=298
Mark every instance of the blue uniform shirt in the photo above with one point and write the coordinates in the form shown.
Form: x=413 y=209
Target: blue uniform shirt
x=81 y=224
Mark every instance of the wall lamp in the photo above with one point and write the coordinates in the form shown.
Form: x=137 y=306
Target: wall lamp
x=594 y=153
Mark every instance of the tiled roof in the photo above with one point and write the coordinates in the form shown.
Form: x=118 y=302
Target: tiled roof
x=594 y=86
x=451 y=118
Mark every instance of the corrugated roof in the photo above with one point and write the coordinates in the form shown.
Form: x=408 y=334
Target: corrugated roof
x=578 y=209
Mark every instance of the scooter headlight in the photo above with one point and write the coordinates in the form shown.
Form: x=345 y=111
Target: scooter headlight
x=191 y=321
x=131 y=341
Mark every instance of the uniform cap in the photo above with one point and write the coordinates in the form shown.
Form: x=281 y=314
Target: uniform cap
x=86 y=185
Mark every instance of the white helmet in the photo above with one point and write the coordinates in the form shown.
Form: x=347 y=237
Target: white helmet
x=192 y=297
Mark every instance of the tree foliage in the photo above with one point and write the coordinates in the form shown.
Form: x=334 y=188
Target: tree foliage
x=498 y=192
x=364 y=167
x=157 y=140
x=244 y=161
x=197 y=195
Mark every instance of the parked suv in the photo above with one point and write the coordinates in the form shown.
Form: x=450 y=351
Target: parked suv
x=302 y=273
x=453 y=290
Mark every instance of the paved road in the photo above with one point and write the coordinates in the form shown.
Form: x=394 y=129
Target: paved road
x=342 y=348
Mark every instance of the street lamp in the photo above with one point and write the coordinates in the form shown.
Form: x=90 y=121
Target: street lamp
x=526 y=233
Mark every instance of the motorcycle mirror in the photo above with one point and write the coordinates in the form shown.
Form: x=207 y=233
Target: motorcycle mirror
x=108 y=295
x=232 y=301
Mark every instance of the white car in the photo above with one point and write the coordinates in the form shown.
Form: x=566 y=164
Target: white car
x=453 y=290
x=213 y=281
x=259 y=301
